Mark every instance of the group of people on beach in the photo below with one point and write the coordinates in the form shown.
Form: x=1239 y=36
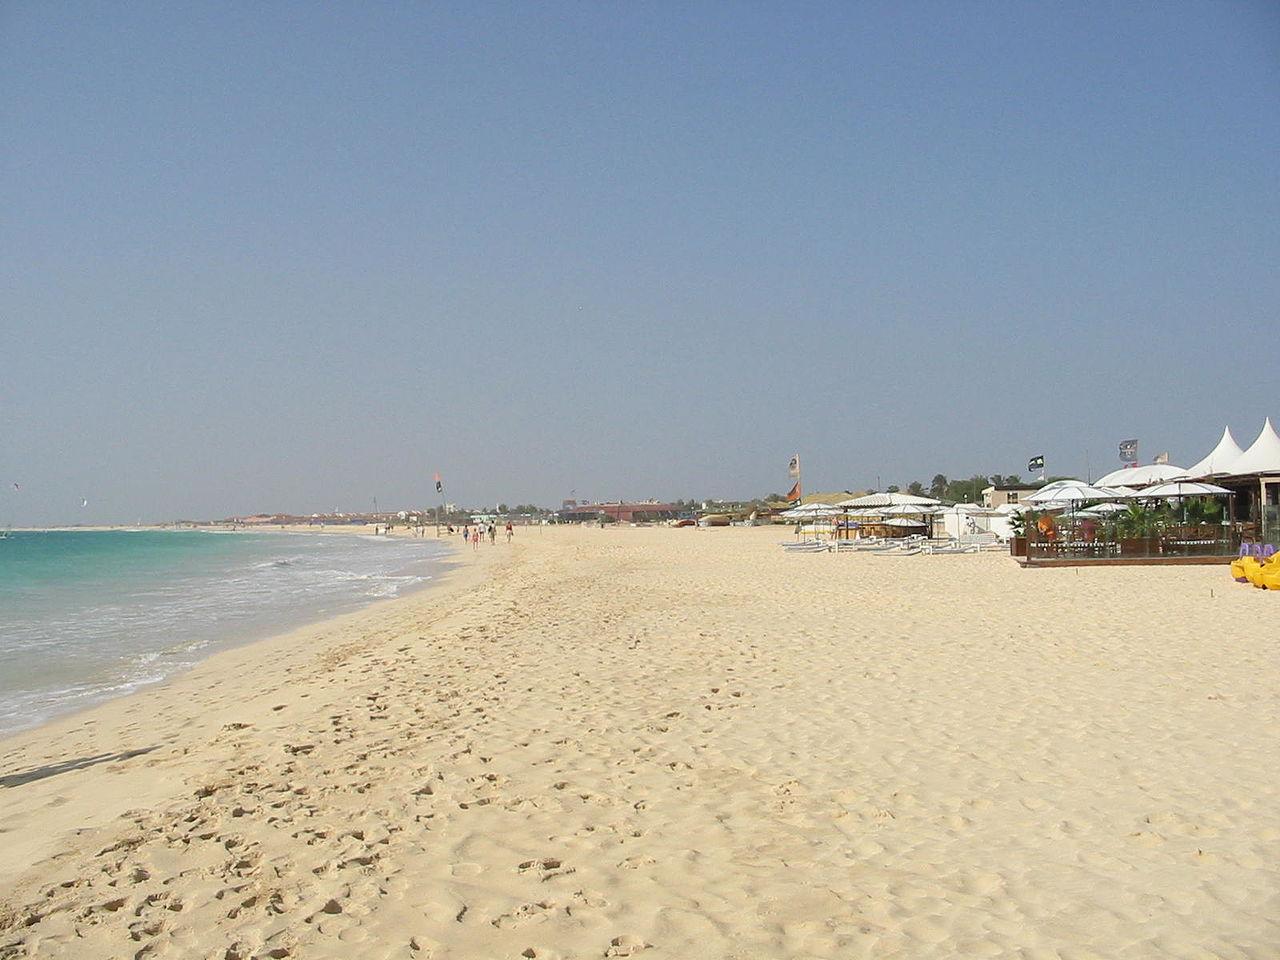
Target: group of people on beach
x=474 y=535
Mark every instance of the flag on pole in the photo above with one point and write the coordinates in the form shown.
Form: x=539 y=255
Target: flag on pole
x=1128 y=451
x=439 y=484
x=793 y=468
x=1035 y=463
x=794 y=495
x=1161 y=457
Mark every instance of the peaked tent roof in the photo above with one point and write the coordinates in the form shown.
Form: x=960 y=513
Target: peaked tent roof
x=1263 y=455
x=1220 y=457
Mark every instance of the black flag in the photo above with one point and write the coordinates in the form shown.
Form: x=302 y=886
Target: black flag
x=1035 y=463
x=1129 y=451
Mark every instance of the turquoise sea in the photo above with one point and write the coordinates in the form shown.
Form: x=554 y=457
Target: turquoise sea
x=87 y=615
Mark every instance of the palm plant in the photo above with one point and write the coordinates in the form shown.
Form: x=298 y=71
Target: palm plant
x=1136 y=521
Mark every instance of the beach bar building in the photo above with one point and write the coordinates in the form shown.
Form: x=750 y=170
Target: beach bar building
x=1253 y=475
x=1007 y=494
x=621 y=511
x=1224 y=504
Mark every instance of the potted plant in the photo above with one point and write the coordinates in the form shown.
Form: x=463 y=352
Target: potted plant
x=1018 y=525
x=1135 y=527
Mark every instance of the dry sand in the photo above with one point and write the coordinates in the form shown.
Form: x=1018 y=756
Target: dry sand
x=682 y=743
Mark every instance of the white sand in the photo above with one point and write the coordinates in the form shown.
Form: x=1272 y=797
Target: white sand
x=683 y=743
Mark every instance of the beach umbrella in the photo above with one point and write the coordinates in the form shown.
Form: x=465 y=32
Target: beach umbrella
x=1119 y=493
x=973 y=509
x=1067 y=494
x=1102 y=509
x=901 y=522
x=905 y=510
x=889 y=500
x=1059 y=483
x=813 y=510
x=1183 y=488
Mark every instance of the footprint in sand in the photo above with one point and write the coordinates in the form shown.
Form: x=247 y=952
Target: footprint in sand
x=525 y=914
x=546 y=868
x=626 y=946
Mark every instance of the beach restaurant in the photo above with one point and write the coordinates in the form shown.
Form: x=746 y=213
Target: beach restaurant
x=618 y=511
x=1227 y=502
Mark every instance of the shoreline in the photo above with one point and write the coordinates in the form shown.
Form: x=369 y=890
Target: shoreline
x=653 y=742
x=446 y=561
x=459 y=572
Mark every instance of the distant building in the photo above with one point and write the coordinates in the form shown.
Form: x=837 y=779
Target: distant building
x=1007 y=493
x=644 y=511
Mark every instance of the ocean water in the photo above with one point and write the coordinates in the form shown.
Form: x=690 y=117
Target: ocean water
x=88 y=615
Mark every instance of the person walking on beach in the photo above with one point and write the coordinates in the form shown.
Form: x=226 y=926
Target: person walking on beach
x=509 y=531
x=475 y=539
x=493 y=534
x=466 y=533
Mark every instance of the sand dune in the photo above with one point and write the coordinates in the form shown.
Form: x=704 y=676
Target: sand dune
x=682 y=743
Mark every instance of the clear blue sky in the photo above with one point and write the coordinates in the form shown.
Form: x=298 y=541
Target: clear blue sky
x=277 y=256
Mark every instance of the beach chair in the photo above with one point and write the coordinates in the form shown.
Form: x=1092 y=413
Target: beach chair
x=807 y=546
x=983 y=541
x=906 y=549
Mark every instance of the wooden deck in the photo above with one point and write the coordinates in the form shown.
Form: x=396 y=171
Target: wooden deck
x=1171 y=561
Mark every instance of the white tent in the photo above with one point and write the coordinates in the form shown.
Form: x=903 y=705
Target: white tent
x=1220 y=458
x=960 y=519
x=1263 y=455
x=1142 y=476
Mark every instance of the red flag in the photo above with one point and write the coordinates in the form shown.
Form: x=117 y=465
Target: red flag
x=794 y=495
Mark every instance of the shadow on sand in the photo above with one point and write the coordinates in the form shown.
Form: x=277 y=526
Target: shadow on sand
x=53 y=769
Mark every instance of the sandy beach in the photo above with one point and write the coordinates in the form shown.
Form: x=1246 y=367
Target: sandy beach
x=681 y=743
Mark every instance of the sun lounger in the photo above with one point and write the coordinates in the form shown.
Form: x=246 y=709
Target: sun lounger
x=983 y=541
x=904 y=550
x=807 y=546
